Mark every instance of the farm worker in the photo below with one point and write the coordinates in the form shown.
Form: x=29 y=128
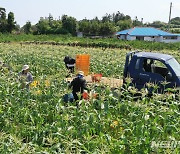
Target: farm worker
x=78 y=84
x=25 y=77
x=70 y=63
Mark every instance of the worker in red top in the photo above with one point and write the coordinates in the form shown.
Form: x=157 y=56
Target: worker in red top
x=78 y=84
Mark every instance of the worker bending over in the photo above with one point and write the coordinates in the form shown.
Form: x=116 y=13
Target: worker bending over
x=70 y=63
x=78 y=84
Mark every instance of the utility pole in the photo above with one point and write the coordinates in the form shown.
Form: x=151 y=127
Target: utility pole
x=169 y=16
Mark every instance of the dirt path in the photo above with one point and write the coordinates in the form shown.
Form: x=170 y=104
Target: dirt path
x=111 y=82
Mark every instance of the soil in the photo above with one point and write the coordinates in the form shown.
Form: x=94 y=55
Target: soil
x=111 y=82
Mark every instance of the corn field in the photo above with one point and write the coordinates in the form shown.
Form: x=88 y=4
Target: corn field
x=39 y=121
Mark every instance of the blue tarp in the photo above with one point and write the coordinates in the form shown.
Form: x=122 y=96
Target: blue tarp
x=68 y=98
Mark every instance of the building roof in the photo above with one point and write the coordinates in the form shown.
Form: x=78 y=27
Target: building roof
x=145 y=31
x=153 y=55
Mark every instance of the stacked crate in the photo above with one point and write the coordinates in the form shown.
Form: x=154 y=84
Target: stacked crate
x=83 y=63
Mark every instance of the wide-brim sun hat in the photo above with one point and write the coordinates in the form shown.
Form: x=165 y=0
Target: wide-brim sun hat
x=25 y=67
x=80 y=73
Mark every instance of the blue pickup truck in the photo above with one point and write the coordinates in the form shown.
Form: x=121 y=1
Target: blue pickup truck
x=144 y=67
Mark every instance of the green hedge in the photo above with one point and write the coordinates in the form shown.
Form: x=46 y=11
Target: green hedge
x=87 y=42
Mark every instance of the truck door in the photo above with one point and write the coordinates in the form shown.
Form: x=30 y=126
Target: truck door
x=153 y=71
x=134 y=72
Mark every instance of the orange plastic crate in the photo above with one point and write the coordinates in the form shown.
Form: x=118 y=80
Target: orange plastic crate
x=96 y=77
x=83 y=63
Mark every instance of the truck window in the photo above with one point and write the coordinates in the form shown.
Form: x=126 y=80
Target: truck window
x=175 y=65
x=137 y=64
x=147 y=65
x=155 y=66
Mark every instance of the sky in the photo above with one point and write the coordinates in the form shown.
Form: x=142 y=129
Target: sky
x=32 y=10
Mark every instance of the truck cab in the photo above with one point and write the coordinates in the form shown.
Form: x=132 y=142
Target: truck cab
x=144 y=67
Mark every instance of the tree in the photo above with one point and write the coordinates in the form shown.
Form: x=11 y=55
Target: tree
x=27 y=27
x=42 y=27
x=157 y=24
x=175 y=21
x=10 y=22
x=56 y=27
x=136 y=22
x=96 y=19
x=120 y=16
x=94 y=28
x=124 y=24
x=84 y=26
x=17 y=29
x=3 y=21
x=69 y=24
x=107 y=18
x=2 y=11
x=50 y=19
x=106 y=29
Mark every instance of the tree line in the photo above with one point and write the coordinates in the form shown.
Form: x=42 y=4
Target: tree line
x=106 y=26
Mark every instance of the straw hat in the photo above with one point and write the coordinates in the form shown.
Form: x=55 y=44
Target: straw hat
x=25 y=67
x=80 y=73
